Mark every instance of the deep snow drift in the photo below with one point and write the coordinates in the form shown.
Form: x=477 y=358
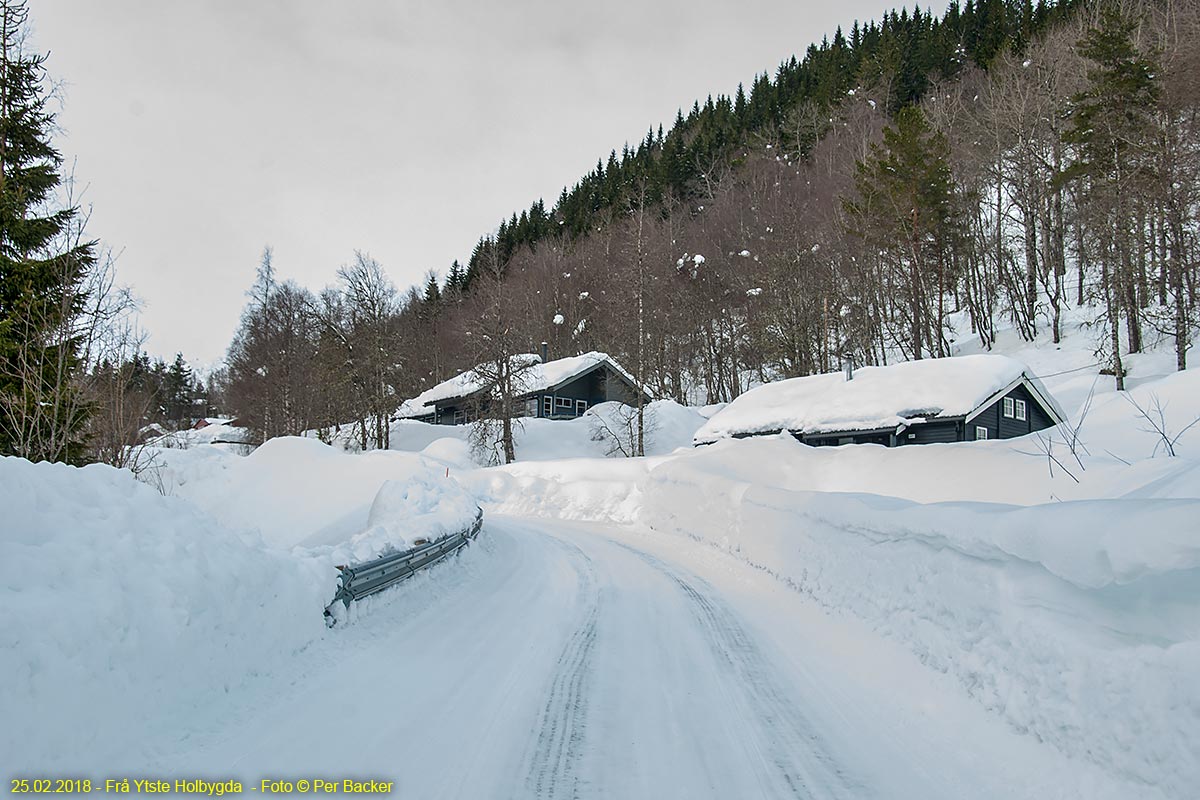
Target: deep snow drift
x=301 y=493
x=125 y=611
x=218 y=433
x=603 y=431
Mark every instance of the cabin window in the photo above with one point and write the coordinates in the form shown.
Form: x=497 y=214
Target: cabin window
x=1008 y=407
x=580 y=407
x=460 y=417
x=547 y=405
x=1021 y=410
x=981 y=432
x=563 y=402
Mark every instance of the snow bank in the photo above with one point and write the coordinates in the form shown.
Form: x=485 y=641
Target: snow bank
x=301 y=493
x=669 y=427
x=422 y=507
x=1115 y=424
x=583 y=489
x=878 y=397
x=1078 y=622
x=235 y=437
x=454 y=453
x=126 y=611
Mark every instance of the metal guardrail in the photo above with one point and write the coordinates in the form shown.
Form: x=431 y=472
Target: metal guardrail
x=359 y=580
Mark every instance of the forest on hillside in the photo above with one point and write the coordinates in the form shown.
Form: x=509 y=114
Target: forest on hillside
x=905 y=184
x=1002 y=164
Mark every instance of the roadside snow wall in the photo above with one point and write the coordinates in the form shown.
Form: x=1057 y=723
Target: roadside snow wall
x=302 y=494
x=602 y=431
x=1077 y=622
x=124 y=612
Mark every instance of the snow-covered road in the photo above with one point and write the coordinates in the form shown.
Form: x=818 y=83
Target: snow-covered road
x=577 y=660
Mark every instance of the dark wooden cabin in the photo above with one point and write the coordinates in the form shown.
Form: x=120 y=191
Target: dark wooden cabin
x=562 y=389
x=919 y=402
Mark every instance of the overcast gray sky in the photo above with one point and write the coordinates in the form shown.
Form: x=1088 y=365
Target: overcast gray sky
x=206 y=130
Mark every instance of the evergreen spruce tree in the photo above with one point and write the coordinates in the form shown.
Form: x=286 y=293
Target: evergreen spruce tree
x=433 y=291
x=904 y=210
x=42 y=415
x=1110 y=122
x=139 y=373
x=178 y=391
x=455 y=280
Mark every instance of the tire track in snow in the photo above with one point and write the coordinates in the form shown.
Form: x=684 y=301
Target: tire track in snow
x=562 y=723
x=788 y=741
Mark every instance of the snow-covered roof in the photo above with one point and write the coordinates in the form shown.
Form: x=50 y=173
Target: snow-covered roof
x=460 y=385
x=877 y=398
x=540 y=377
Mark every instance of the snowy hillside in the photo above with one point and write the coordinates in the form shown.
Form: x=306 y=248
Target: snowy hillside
x=1038 y=595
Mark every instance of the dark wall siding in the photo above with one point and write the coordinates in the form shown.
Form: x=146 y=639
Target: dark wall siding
x=599 y=386
x=616 y=387
x=1010 y=427
x=849 y=437
x=989 y=418
x=588 y=387
x=931 y=432
x=445 y=414
x=1039 y=418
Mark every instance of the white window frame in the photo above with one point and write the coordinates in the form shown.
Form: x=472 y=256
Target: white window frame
x=581 y=407
x=562 y=402
x=981 y=433
x=1022 y=413
x=547 y=405
x=1008 y=407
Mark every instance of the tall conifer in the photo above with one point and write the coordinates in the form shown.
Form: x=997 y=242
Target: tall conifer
x=41 y=416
